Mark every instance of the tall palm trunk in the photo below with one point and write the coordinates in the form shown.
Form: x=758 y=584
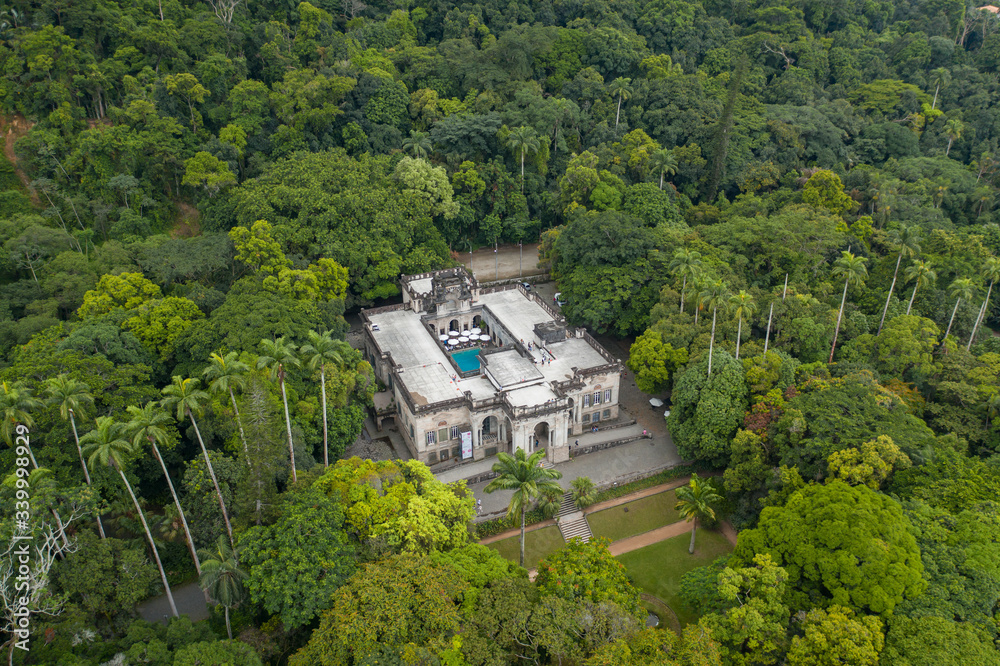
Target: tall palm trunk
x=840 y=314
x=982 y=315
x=86 y=472
x=149 y=536
x=229 y=630
x=912 y=296
x=661 y=180
x=239 y=422
x=177 y=503
x=684 y=285
x=952 y=320
x=767 y=338
x=694 y=528
x=711 y=344
x=55 y=514
x=891 y=288
x=215 y=481
x=619 y=112
x=522 y=536
x=288 y=423
x=739 y=333
x=322 y=385
x=522 y=170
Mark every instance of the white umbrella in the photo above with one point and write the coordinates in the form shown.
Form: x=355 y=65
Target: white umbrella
x=656 y=402
x=453 y=333
x=463 y=339
x=442 y=338
x=484 y=338
x=453 y=341
x=476 y=331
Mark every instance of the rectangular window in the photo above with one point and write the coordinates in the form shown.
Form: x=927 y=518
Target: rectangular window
x=444 y=454
x=431 y=438
x=586 y=418
x=454 y=432
x=586 y=400
x=443 y=435
x=597 y=397
x=596 y=417
x=411 y=431
x=607 y=395
x=607 y=413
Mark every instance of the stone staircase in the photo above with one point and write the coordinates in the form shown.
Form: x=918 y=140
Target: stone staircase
x=572 y=523
x=545 y=464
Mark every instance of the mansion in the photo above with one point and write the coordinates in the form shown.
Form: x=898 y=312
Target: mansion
x=472 y=371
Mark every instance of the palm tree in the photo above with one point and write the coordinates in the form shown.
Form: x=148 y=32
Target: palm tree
x=278 y=354
x=715 y=295
x=106 y=445
x=584 y=492
x=745 y=306
x=621 y=87
x=148 y=425
x=953 y=128
x=853 y=270
x=991 y=271
x=222 y=578
x=521 y=141
x=696 y=500
x=527 y=478
x=322 y=350
x=663 y=162
x=686 y=263
x=550 y=502
x=940 y=77
x=418 y=144
x=908 y=240
x=73 y=397
x=921 y=275
x=959 y=289
x=226 y=373
x=15 y=401
x=185 y=396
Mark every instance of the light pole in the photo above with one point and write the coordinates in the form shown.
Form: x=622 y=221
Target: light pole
x=520 y=255
x=496 y=262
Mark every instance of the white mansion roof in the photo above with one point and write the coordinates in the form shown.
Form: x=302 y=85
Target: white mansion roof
x=429 y=377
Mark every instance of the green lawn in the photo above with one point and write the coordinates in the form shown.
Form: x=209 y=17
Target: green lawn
x=538 y=544
x=657 y=569
x=635 y=517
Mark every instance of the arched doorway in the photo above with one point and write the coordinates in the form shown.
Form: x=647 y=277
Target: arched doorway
x=453 y=325
x=491 y=429
x=507 y=436
x=540 y=439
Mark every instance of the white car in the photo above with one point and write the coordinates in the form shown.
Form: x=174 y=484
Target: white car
x=558 y=299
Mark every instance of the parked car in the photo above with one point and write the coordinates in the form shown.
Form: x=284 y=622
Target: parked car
x=558 y=299
x=526 y=285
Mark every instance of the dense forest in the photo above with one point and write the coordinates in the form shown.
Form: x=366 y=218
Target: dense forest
x=786 y=207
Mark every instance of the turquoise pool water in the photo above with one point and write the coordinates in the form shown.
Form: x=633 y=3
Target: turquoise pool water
x=467 y=360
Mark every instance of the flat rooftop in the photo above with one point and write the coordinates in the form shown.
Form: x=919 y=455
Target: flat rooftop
x=427 y=372
x=421 y=286
x=509 y=368
x=529 y=396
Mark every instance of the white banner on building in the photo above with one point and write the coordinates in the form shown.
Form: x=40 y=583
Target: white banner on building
x=466 y=445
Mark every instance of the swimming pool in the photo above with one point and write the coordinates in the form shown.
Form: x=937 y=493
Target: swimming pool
x=467 y=360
